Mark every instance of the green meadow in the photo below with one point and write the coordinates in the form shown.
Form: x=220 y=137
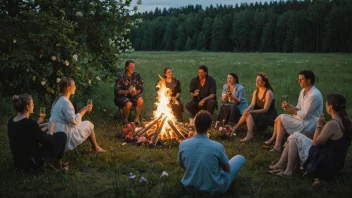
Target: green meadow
x=106 y=174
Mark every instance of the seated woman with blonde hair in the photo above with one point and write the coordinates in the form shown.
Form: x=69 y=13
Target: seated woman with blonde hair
x=65 y=119
x=25 y=135
x=325 y=155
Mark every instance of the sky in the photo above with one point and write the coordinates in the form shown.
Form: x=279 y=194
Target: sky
x=148 y=5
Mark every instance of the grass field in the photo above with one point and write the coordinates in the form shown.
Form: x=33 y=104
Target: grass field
x=106 y=175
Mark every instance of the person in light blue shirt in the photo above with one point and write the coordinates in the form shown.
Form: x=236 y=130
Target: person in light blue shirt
x=233 y=100
x=205 y=161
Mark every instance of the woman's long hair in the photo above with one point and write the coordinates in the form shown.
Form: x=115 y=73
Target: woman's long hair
x=266 y=80
x=64 y=83
x=338 y=103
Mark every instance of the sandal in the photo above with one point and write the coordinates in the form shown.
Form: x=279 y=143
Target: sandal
x=249 y=137
x=271 y=167
x=274 y=171
x=269 y=143
x=274 y=151
x=284 y=175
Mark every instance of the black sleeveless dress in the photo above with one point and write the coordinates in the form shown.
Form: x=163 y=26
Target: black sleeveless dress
x=331 y=157
x=263 y=120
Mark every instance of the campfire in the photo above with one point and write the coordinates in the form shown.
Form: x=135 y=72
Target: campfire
x=164 y=126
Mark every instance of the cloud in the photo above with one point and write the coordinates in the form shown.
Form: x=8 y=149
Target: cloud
x=150 y=5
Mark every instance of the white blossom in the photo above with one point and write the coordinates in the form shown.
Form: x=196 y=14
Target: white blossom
x=43 y=83
x=89 y=82
x=98 y=78
x=67 y=63
x=75 y=57
x=79 y=14
x=111 y=41
x=58 y=80
x=14 y=41
x=53 y=58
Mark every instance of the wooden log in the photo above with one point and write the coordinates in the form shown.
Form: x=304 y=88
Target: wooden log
x=158 y=131
x=167 y=134
x=183 y=129
x=184 y=132
x=177 y=132
x=144 y=130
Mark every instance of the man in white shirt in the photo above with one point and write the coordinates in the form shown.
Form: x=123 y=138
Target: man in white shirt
x=303 y=116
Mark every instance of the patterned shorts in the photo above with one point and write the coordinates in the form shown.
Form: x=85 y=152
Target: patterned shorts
x=122 y=100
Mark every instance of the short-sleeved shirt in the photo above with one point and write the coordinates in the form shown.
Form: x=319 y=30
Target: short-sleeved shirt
x=208 y=88
x=239 y=94
x=202 y=159
x=123 y=82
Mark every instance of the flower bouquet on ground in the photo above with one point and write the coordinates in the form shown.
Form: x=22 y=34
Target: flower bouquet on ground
x=221 y=132
x=127 y=132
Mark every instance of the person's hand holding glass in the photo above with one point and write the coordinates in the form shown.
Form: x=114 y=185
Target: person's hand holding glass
x=89 y=105
x=228 y=94
x=284 y=103
x=41 y=115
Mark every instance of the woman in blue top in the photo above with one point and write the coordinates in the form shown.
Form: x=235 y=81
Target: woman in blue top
x=233 y=99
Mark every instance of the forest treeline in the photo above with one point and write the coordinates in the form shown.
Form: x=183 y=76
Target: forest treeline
x=276 y=26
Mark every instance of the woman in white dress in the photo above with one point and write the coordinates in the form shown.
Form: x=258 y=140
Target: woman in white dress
x=65 y=119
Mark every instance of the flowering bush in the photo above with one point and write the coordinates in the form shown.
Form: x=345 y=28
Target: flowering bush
x=79 y=39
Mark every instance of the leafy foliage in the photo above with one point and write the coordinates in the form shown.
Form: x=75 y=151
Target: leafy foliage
x=46 y=40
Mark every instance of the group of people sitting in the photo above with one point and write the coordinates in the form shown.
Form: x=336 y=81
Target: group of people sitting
x=31 y=142
x=205 y=161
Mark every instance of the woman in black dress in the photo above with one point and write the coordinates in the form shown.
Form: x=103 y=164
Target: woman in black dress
x=261 y=113
x=175 y=93
x=30 y=146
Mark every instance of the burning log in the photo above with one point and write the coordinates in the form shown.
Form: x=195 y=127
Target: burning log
x=182 y=127
x=167 y=134
x=177 y=132
x=158 y=131
x=143 y=131
x=183 y=130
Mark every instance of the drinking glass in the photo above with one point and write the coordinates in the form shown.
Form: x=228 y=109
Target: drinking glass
x=89 y=103
x=284 y=98
x=42 y=112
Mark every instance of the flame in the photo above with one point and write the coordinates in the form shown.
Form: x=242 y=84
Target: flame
x=163 y=102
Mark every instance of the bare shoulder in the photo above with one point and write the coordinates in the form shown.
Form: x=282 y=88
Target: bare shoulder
x=270 y=94
x=332 y=126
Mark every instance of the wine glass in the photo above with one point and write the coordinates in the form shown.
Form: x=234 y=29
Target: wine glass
x=89 y=103
x=284 y=98
x=42 y=112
